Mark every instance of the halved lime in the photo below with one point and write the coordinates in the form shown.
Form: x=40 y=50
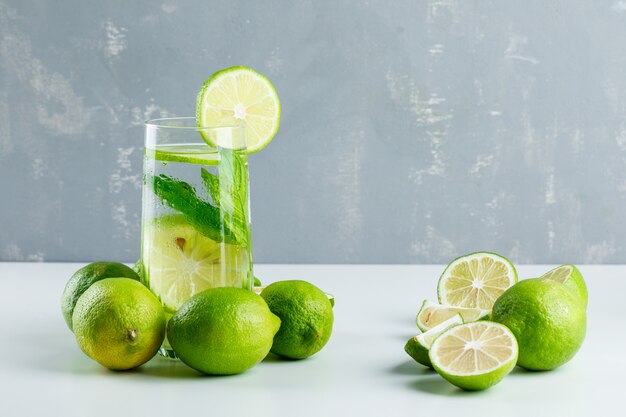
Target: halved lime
x=476 y=280
x=572 y=278
x=240 y=95
x=432 y=314
x=180 y=261
x=474 y=356
x=417 y=347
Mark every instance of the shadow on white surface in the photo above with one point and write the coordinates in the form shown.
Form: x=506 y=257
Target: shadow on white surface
x=434 y=384
x=167 y=368
x=272 y=358
x=411 y=367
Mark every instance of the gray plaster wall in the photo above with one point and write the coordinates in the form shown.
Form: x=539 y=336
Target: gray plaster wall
x=412 y=131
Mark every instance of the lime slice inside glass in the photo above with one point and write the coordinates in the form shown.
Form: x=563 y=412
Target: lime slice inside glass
x=182 y=262
x=474 y=356
x=236 y=96
x=476 y=280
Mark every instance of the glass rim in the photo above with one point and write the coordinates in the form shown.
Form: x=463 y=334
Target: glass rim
x=162 y=123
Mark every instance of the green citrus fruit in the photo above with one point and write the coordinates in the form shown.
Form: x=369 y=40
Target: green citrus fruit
x=474 y=356
x=306 y=314
x=259 y=290
x=119 y=323
x=222 y=331
x=239 y=95
x=548 y=320
x=572 y=278
x=417 y=347
x=475 y=280
x=84 y=278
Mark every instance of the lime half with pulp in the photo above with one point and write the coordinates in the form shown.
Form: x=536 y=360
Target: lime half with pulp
x=239 y=96
x=476 y=280
x=181 y=262
x=474 y=356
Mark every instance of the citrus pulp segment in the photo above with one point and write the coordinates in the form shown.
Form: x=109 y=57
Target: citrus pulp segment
x=476 y=280
x=474 y=356
x=235 y=96
x=432 y=314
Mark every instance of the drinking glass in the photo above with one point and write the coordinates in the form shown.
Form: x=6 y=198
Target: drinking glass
x=195 y=232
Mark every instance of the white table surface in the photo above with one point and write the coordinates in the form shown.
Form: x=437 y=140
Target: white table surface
x=363 y=370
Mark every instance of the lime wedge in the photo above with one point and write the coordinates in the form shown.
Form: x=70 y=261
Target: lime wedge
x=181 y=262
x=572 y=278
x=476 y=280
x=433 y=314
x=474 y=356
x=417 y=347
x=235 y=96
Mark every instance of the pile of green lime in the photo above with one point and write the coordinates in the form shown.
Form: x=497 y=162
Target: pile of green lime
x=214 y=329
x=121 y=324
x=485 y=322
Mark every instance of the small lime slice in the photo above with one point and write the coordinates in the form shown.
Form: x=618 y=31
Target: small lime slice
x=474 y=356
x=181 y=262
x=476 y=280
x=186 y=153
x=432 y=314
x=417 y=347
x=235 y=96
x=572 y=278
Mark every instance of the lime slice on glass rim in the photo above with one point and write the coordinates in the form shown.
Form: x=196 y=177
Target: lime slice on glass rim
x=433 y=314
x=417 y=347
x=474 y=356
x=183 y=262
x=572 y=278
x=476 y=280
x=239 y=96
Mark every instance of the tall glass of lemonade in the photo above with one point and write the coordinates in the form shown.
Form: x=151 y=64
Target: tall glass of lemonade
x=195 y=215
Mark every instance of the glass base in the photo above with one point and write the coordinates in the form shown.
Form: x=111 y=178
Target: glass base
x=167 y=353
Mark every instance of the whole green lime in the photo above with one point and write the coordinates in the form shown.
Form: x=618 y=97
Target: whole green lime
x=547 y=319
x=222 y=331
x=119 y=323
x=306 y=315
x=84 y=278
